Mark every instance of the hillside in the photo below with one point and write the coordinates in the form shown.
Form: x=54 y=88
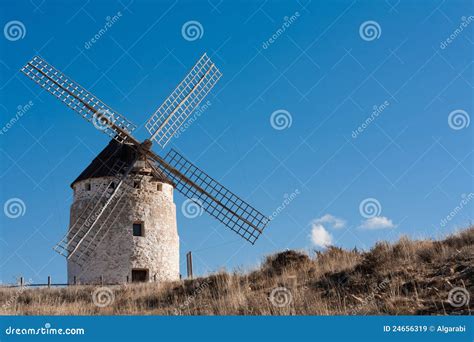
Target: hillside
x=406 y=278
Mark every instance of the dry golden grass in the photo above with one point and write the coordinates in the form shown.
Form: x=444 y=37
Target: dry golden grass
x=406 y=278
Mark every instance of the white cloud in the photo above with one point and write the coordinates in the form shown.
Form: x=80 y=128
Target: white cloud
x=377 y=222
x=320 y=236
x=333 y=221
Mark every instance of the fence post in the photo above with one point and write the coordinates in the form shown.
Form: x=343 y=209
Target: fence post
x=127 y=279
x=75 y=280
x=101 y=280
x=189 y=264
x=49 y=281
x=21 y=281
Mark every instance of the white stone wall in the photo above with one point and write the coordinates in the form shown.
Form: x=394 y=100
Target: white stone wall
x=120 y=251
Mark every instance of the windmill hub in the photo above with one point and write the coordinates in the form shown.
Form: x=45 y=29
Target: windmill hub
x=146 y=145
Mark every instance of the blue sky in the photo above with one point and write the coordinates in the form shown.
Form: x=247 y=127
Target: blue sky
x=412 y=162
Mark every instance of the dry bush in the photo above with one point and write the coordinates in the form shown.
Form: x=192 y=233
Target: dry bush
x=408 y=277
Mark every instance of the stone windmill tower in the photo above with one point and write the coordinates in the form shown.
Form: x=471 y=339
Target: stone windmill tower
x=123 y=218
x=139 y=239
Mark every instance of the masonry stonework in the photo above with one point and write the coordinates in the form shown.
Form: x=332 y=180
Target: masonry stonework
x=142 y=200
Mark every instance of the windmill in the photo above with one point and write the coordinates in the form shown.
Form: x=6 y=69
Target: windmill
x=128 y=179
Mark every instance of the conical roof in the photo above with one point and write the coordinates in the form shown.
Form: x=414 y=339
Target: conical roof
x=102 y=165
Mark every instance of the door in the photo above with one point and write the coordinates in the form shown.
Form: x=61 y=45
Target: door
x=139 y=276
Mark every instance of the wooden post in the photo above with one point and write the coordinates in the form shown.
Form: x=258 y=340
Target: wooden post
x=189 y=264
x=49 y=281
x=101 y=280
x=127 y=279
x=21 y=281
x=75 y=280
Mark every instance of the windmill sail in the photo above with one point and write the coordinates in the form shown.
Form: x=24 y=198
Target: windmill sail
x=79 y=99
x=85 y=230
x=169 y=117
x=213 y=197
x=93 y=223
x=109 y=219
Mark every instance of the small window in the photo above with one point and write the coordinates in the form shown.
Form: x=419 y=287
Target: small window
x=159 y=187
x=112 y=185
x=88 y=186
x=138 y=229
x=136 y=184
x=139 y=276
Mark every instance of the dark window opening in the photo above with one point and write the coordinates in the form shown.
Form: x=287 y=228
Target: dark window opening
x=88 y=186
x=112 y=185
x=138 y=229
x=139 y=276
x=159 y=187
